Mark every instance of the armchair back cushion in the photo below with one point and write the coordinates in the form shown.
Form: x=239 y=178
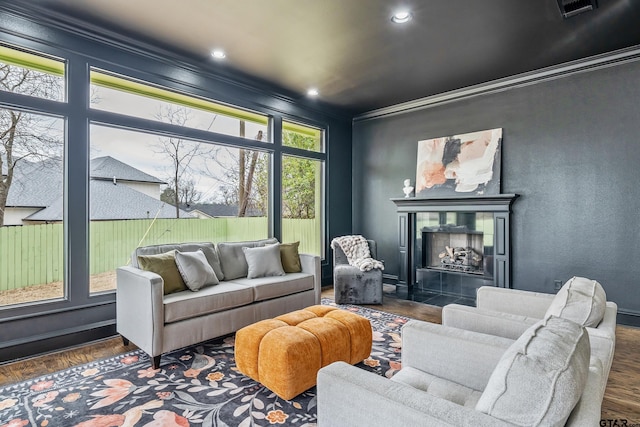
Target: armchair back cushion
x=581 y=300
x=234 y=263
x=540 y=378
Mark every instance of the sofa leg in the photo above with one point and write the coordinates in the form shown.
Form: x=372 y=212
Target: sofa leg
x=125 y=340
x=155 y=362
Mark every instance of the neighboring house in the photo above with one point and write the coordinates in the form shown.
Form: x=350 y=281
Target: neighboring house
x=117 y=191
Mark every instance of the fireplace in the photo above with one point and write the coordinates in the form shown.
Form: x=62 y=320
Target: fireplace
x=454 y=245
x=453 y=248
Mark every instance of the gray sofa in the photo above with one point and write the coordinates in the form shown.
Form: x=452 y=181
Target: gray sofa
x=444 y=377
x=159 y=323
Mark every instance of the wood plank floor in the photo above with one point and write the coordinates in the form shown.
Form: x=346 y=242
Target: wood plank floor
x=621 y=400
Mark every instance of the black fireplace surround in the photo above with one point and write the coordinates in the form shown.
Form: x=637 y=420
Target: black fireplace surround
x=453 y=245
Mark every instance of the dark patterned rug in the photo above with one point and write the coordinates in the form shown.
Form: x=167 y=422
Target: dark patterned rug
x=195 y=386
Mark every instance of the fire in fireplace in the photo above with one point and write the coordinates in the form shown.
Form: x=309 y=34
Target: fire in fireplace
x=453 y=248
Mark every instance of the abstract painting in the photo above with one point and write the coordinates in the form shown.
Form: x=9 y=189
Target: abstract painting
x=468 y=163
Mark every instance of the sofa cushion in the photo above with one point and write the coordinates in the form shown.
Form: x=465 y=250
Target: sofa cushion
x=223 y=296
x=581 y=300
x=195 y=270
x=541 y=376
x=265 y=288
x=164 y=265
x=263 y=261
x=290 y=257
x=232 y=259
x=207 y=247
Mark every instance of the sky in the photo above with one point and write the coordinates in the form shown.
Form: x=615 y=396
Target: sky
x=143 y=151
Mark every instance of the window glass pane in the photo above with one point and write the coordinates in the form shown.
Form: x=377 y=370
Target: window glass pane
x=125 y=96
x=30 y=74
x=303 y=137
x=302 y=203
x=31 y=203
x=147 y=189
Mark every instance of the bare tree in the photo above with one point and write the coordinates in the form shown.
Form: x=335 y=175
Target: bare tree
x=245 y=176
x=25 y=136
x=181 y=152
x=243 y=181
x=188 y=194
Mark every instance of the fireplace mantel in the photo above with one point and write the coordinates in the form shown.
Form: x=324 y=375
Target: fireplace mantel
x=497 y=205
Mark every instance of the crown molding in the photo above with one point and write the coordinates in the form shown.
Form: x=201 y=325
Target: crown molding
x=591 y=63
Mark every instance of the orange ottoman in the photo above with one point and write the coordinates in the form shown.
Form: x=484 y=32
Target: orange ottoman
x=285 y=353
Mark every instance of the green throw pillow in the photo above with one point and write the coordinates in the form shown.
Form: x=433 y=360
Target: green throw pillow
x=165 y=266
x=290 y=257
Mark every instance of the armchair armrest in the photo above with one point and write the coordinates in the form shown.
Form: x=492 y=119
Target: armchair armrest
x=607 y=327
x=311 y=265
x=140 y=308
x=464 y=357
x=382 y=402
x=514 y=301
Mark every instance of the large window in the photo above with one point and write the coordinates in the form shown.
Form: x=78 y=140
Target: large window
x=205 y=174
x=302 y=193
x=126 y=96
x=31 y=207
x=150 y=189
x=31 y=182
x=31 y=74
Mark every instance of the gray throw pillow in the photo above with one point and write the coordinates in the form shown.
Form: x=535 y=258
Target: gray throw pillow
x=581 y=300
x=232 y=259
x=195 y=270
x=541 y=376
x=263 y=261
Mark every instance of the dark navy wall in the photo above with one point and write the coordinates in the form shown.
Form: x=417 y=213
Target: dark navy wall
x=571 y=149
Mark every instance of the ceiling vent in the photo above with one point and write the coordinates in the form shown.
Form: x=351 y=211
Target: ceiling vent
x=569 y=8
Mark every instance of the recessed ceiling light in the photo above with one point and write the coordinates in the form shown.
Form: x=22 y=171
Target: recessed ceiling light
x=313 y=92
x=401 y=17
x=218 y=54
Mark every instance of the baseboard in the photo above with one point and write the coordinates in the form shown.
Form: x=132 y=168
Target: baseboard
x=37 y=345
x=628 y=318
x=390 y=279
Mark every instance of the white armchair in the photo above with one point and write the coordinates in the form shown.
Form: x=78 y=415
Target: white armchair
x=509 y=312
x=445 y=374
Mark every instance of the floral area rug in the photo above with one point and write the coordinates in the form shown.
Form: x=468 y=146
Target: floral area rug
x=195 y=386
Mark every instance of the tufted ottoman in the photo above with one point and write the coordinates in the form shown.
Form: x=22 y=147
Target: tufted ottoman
x=285 y=353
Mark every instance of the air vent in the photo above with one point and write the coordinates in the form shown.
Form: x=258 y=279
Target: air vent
x=569 y=8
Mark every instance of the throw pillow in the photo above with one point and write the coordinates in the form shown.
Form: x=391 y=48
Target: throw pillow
x=263 y=261
x=290 y=257
x=581 y=300
x=165 y=266
x=232 y=259
x=541 y=376
x=195 y=270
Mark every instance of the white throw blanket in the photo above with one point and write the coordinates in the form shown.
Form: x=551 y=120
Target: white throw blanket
x=356 y=249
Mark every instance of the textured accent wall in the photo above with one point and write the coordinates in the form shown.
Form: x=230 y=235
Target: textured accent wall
x=571 y=149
